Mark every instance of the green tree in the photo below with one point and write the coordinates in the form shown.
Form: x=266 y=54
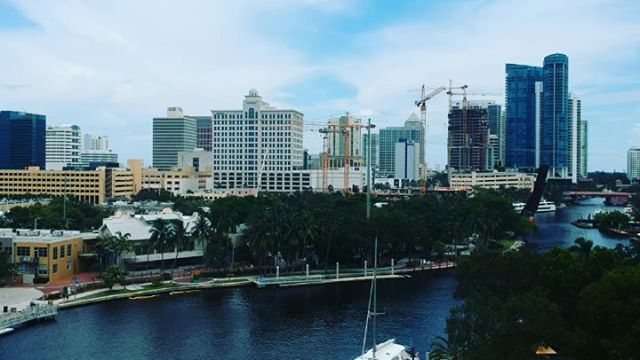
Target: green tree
x=113 y=275
x=7 y=269
x=161 y=236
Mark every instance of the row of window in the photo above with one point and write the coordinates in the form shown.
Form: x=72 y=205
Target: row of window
x=44 y=251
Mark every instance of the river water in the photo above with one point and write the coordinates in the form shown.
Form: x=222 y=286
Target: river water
x=248 y=323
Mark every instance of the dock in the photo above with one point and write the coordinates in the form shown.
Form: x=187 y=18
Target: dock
x=34 y=312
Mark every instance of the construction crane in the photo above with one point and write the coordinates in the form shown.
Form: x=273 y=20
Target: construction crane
x=347 y=131
x=422 y=104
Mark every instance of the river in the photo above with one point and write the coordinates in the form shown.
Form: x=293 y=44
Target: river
x=248 y=323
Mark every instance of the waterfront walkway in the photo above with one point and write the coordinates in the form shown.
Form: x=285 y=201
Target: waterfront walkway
x=31 y=313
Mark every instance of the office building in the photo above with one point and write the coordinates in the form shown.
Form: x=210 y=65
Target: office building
x=493 y=152
x=64 y=145
x=555 y=127
x=172 y=134
x=96 y=152
x=468 y=139
x=494 y=121
x=51 y=255
x=633 y=163
x=407 y=162
x=491 y=180
x=583 y=149
x=198 y=159
x=388 y=137
x=22 y=140
x=258 y=147
x=336 y=146
x=523 y=109
x=94 y=186
x=204 y=132
x=95 y=142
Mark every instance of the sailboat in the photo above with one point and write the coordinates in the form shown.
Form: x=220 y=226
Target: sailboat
x=388 y=350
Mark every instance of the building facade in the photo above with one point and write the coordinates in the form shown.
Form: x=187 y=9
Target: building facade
x=555 y=127
x=407 y=161
x=633 y=163
x=468 y=139
x=22 y=140
x=491 y=180
x=523 y=109
x=204 y=132
x=95 y=142
x=336 y=146
x=94 y=186
x=172 y=134
x=388 y=137
x=583 y=149
x=64 y=146
x=45 y=254
x=257 y=147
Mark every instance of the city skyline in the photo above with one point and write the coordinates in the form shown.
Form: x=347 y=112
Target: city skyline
x=376 y=53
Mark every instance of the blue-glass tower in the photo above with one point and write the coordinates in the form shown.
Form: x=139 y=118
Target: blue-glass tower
x=22 y=140
x=523 y=84
x=555 y=136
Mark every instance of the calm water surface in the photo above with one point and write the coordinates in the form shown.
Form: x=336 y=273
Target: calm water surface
x=248 y=323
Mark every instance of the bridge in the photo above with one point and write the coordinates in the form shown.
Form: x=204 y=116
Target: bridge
x=611 y=197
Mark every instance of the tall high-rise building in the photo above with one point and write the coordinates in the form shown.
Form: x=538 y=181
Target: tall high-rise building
x=171 y=135
x=523 y=109
x=335 y=145
x=257 y=147
x=468 y=139
x=22 y=140
x=502 y=140
x=204 y=132
x=375 y=151
x=555 y=127
x=389 y=137
x=64 y=143
x=633 y=163
x=583 y=149
x=96 y=152
x=407 y=160
x=494 y=121
x=578 y=143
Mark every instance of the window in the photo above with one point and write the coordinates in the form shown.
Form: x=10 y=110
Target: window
x=41 y=252
x=62 y=251
x=55 y=267
x=69 y=250
x=42 y=270
x=55 y=253
x=23 y=251
x=69 y=265
x=8 y=249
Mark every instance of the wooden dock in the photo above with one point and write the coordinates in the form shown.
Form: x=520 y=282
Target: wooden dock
x=31 y=313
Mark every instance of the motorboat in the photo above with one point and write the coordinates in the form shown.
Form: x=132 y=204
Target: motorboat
x=543 y=206
x=143 y=297
x=183 y=292
x=389 y=350
x=5 y=330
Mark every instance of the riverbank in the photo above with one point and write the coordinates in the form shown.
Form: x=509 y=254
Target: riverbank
x=148 y=289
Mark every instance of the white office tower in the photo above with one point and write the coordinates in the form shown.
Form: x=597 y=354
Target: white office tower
x=96 y=151
x=633 y=163
x=62 y=146
x=258 y=147
x=93 y=142
x=407 y=162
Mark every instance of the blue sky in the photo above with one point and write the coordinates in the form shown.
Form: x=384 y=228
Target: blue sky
x=110 y=67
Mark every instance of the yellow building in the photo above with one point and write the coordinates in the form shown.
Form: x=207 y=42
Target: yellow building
x=52 y=254
x=95 y=186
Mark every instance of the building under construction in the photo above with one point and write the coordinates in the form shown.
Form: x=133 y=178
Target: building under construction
x=468 y=136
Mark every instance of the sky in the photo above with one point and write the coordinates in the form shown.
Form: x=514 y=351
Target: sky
x=111 y=66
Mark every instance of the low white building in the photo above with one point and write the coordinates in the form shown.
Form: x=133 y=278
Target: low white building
x=491 y=180
x=139 y=229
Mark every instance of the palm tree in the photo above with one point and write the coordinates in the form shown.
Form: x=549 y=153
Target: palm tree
x=441 y=349
x=122 y=245
x=161 y=233
x=180 y=241
x=201 y=232
x=105 y=247
x=583 y=247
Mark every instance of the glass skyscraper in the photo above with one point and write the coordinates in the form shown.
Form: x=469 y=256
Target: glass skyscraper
x=22 y=140
x=388 y=137
x=523 y=87
x=171 y=135
x=555 y=129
